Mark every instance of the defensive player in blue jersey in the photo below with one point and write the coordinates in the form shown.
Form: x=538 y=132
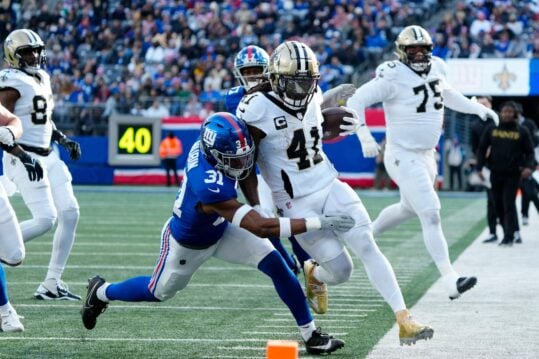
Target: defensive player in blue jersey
x=250 y=69
x=208 y=221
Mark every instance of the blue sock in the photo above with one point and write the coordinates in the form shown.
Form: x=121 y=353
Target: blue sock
x=287 y=286
x=3 y=287
x=283 y=252
x=300 y=253
x=131 y=290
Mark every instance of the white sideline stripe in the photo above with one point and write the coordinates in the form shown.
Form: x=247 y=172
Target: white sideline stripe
x=319 y=319
x=262 y=286
x=286 y=333
x=164 y=340
x=220 y=269
x=338 y=315
x=108 y=244
x=173 y=307
x=101 y=254
x=290 y=326
x=157 y=306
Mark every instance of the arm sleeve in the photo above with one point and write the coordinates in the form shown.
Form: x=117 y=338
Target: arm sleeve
x=528 y=150
x=374 y=91
x=458 y=102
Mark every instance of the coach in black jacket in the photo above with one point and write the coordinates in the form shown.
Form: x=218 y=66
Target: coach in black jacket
x=508 y=152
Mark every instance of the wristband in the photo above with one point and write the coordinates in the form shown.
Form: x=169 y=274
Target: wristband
x=240 y=213
x=285 y=227
x=312 y=223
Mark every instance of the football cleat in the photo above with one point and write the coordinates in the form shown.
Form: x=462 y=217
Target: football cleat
x=62 y=293
x=410 y=330
x=317 y=292
x=463 y=284
x=93 y=306
x=506 y=242
x=11 y=322
x=322 y=343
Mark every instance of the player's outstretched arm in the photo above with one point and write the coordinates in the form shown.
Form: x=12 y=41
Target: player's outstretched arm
x=460 y=103
x=247 y=217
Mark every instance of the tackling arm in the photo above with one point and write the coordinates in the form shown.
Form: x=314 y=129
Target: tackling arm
x=247 y=217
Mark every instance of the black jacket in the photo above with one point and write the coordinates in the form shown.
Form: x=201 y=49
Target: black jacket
x=511 y=148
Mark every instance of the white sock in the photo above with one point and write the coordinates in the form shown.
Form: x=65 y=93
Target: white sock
x=4 y=309
x=102 y=293
x=305 y=330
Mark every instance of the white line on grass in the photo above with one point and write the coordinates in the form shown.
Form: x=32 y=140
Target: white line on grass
x=164 y=340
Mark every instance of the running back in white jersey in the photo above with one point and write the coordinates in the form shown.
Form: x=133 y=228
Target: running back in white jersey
x=290 y=157
x=413 y=103
x=34 y=107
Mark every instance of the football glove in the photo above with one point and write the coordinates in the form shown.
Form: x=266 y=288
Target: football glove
x=340 y=223
x=485 y=113
x=72 y=147
x=6 y=136
x=351 y=125
x=338 y=95
x=369 y=146
x=32 y=165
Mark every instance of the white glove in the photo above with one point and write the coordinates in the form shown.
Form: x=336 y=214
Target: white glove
x=6 y=136
x=352 y=123
x=338 y=95
x=340 y=223
x=485 y=113
x=369 y=146
x=264 y=212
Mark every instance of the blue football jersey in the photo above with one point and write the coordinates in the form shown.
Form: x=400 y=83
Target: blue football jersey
x=202 y=184
x=233 y=98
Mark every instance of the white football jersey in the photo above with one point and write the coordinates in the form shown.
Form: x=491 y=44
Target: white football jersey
x=413 y=103
x=34 y=107
x=290 y=158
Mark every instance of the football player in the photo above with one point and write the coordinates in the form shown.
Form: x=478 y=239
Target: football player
x=12 y=250
x=285 y=118
x=208 y=221
x=414 y=91
x=250 y=69
x=25 y=90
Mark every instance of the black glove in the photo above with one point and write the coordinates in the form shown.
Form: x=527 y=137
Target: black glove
x=72 y=147
x=32 y=165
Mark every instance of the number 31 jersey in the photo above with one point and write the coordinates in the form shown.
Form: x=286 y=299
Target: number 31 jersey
x=34 y=107
x=413 y=103
x=290 y=157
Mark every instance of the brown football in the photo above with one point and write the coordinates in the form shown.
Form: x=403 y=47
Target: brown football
x=332 y=121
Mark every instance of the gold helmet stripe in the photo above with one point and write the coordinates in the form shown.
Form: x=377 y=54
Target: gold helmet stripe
x=417 y=33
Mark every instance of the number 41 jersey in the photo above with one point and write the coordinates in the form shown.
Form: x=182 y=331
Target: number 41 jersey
x=290 y=157
x=34 y=107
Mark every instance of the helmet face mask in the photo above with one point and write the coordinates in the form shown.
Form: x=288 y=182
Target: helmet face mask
x=414 y=48
x=251 y=66
x=227 y=145
x=24 y=50
x=294 y=73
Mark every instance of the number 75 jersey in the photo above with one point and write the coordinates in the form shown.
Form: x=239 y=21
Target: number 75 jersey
x=34 y=107
x=290 y=158
x=413 y=103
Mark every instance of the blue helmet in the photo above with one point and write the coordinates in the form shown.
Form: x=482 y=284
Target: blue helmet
x=227 y=144
x=248 y=57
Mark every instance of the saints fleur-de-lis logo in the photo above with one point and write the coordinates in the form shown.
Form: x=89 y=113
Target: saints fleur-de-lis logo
x=504 y=78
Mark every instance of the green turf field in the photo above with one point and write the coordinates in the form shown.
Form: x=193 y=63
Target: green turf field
x=227 y=311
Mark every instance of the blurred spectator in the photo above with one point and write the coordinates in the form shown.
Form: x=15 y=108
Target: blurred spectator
x=157 y=109
x=455 y=160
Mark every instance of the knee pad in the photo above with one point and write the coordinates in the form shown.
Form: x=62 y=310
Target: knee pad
x=340 y=268
x=69 y=215
x=14 y=259
x=44 y=224
x=430 y=217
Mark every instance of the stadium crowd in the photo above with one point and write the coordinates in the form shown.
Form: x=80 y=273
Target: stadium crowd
x=175 y=57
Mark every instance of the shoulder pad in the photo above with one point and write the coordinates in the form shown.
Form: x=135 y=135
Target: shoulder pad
x=11 y=78
x=388 y=70
x=439 y=65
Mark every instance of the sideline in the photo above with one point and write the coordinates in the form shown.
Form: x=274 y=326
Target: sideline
x=497 y=319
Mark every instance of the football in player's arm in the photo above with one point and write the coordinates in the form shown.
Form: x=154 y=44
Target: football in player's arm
x=208 y=221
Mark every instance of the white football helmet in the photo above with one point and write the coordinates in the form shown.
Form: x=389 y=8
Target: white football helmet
x=24 y=50
x=294 y=73
x=414 y=48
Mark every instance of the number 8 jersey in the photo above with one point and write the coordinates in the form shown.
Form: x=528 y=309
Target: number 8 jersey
x=290 y=156
x=34 y=107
